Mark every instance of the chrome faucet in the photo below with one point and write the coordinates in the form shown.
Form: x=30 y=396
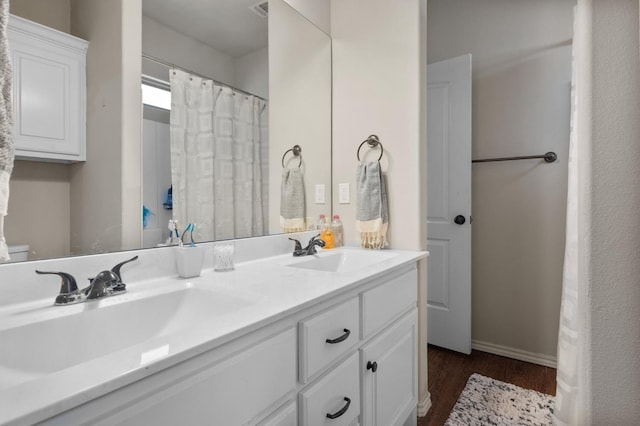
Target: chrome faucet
x=106 y=283
x=309 y=249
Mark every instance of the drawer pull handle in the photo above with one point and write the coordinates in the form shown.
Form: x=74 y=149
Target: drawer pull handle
x=373 y=366
x=342 y=338
x=342 y=410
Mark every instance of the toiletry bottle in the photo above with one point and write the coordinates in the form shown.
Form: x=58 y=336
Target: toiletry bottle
x=337 y=230
x=322 y=223
x=325 y=232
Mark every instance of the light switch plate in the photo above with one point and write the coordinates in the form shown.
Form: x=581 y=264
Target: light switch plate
x=343 y=193
x=320 y=193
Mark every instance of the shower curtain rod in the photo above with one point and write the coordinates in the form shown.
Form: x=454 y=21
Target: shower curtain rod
x=170 y=65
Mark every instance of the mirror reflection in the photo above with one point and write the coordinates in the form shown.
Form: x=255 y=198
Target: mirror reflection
x=244 y=90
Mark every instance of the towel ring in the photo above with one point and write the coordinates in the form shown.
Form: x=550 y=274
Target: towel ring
x=296 y=150
x=373 y=141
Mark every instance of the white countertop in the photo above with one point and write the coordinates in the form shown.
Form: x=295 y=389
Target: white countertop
x=275 y=289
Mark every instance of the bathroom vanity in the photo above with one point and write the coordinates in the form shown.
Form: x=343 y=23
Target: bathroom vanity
x=327 y=339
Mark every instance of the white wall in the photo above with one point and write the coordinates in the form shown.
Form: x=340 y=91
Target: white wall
x=521 y=85
x=105 y=190
x=318 y=12
x=164 y=43
x=39 y=212
x=609 y=199
x=131 y=129
x=378 y=88
x=252 y=72
x=52 y=13
x=300 y=106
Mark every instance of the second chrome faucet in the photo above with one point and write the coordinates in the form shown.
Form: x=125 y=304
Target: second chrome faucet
x=309 y=249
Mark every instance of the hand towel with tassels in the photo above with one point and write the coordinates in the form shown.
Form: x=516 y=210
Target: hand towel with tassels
x=6 y=141
x=292 y=201
x=372 y=216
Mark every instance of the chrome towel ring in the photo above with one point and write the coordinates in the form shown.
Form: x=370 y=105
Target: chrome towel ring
x=373 y=141
x=297 y=152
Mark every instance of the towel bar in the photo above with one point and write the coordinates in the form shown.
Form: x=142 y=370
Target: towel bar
x=549 y=157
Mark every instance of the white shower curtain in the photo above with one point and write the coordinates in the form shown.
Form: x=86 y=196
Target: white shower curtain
x=219 y=153
x=570 y=355
x=6 y=123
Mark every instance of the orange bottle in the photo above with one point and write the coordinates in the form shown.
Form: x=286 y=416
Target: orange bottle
x=327 y=236
x=325 y=232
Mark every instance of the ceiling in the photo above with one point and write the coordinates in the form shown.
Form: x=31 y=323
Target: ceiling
x=228 y=26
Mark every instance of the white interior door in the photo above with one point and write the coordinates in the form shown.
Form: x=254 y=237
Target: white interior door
x=449 y=203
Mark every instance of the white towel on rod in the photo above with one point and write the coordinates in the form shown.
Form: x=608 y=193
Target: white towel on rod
x=292 y=206
x=372 y=214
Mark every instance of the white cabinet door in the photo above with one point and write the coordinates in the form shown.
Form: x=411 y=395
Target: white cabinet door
x=389 y=366
x=49 y=85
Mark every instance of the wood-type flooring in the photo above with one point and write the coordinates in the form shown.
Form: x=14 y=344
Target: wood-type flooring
x=449 y=371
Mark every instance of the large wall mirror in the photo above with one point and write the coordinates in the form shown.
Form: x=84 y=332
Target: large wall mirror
x=256 y=81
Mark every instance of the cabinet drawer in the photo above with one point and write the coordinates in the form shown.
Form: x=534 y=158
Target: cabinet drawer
x=286 y=415
x=337 y=393
x=230 y=392
x=383 y=304
x=327 y=336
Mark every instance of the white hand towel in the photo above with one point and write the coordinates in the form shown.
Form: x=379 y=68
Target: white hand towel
x=372 y=215
x=292 y=201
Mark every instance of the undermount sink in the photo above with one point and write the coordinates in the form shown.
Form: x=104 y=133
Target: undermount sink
x=97 y=329
x=345 y=260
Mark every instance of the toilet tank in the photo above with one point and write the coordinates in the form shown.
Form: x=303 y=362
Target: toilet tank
x=19 y=252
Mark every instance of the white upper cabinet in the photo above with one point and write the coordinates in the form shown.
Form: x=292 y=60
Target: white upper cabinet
x=49 y=92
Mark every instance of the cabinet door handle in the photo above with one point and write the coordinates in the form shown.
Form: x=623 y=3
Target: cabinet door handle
x=342 y=338
x=373 y=366
x=341 y=411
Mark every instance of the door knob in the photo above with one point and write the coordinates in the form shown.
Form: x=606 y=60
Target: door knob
x=459 y=220
x=373 y=366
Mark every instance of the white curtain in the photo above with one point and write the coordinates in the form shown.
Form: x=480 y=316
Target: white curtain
x=6 y=117
x=570 y=356
x=219 y=154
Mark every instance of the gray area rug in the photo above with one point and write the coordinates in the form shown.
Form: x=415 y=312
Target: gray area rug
x=485 y=401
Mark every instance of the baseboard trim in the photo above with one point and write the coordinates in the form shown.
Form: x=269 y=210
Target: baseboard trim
x=519 y=354
x=424 y=405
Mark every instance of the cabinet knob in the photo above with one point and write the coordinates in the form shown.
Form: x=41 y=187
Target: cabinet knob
x=373 y=366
